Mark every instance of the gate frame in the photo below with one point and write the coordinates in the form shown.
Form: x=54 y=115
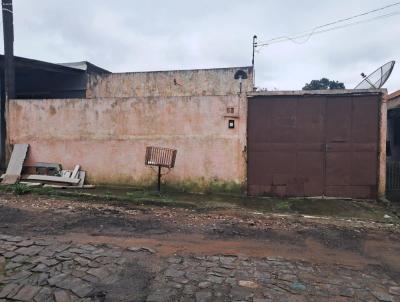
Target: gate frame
x=382 y=124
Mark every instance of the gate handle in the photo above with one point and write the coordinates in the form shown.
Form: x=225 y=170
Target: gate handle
x=327 y=147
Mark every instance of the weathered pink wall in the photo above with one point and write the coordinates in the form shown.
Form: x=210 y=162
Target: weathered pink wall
x=200 y=82
x=108 y=136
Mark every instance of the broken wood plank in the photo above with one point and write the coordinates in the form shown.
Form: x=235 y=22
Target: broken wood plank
x=88 y=187
x=17 y=159
x=42 y=168
x=52 y=179
x=10 y=179
x=15 y=164
x=54 y=166
x=83 y=187
x=31 y=184
x=70 y=187
x=75 y=172
x=82 y=175
x=56 y=186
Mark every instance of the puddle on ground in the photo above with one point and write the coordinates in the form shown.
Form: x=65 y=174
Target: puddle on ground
x=313 y=251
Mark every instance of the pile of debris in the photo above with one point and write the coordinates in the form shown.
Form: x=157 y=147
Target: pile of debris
x=40 y=173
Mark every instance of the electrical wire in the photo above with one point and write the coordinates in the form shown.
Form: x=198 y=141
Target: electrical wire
x=293 y=39
x=8 y=10
x=309 y=33
x=332 y=23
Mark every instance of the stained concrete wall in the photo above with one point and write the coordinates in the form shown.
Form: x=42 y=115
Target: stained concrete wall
x=200 y=82
x=108 y=137
x=382 y=148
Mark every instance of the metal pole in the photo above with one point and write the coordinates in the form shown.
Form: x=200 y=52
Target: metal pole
x=9 y=72
x=252 y=60
x=159 y=179
x=8 y=32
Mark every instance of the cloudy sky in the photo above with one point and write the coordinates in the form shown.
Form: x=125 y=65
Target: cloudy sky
x=131 y=35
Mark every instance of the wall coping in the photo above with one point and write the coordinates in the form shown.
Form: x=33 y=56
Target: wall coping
x=318 y=92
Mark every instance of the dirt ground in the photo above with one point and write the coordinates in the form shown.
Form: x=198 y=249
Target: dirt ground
x=364 y=245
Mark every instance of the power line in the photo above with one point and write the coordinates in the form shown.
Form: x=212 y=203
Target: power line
x=334 y=22
x=315 y=30
x=308 y=35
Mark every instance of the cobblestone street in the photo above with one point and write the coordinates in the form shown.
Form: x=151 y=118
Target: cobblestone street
x=62 y=250
x=232 y=278
x=48 y=270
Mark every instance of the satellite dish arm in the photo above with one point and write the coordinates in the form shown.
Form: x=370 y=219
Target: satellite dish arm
x=369 y=82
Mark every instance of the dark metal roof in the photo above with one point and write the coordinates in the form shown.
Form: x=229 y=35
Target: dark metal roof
x=25 y=63
x=87 y=66
x=44 y=80
x=74 y=68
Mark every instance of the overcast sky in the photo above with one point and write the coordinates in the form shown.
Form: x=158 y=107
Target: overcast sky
x=130 y=35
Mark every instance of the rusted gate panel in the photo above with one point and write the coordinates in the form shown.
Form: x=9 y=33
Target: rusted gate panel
x=285 y=146
x=351 y=146
x=313 y=145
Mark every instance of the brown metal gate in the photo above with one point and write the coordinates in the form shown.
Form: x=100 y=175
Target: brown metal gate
x=313 y=145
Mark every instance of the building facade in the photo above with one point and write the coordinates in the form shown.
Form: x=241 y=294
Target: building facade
x=228 y=138
x=201 y=113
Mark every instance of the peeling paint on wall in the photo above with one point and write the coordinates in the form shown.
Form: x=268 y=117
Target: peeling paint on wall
x=201 y=82
x=108 y=137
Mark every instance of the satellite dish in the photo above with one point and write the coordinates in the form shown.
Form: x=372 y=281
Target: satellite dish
x=240 y=74
x=376 y=79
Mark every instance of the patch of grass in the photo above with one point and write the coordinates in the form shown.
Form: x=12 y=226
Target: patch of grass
x=44 y=191
x=283 y=205
x=113 y=196
x=157 y=199
x=202 y=185
x=20 y=189
x=142 y=194
x=108 y=196
x=211 y=202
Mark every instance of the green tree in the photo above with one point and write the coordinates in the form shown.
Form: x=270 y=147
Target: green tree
x=323 y=84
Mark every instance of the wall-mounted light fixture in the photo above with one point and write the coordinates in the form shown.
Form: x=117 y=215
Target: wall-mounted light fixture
x=240 y=75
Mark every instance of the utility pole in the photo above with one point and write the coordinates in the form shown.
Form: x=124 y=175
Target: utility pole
x=8 y=32
x=252 y=60
x=9 y=72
